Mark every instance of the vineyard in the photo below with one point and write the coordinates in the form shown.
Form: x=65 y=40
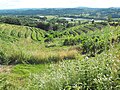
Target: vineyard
x=83 y=57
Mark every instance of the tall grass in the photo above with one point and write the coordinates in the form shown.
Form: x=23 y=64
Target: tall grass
x=27 y=51
x=97 y=73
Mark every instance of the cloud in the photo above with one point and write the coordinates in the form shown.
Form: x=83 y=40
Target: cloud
x=57 y=3
x=4 y=4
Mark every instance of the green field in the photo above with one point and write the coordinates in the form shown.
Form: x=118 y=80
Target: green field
x=83 y=57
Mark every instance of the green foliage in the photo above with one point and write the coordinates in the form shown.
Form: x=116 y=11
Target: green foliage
x=95 y=44
x=33 y=35
x=27 y=34
x=38 y=36
x=3 y=58
x=49 y=39
x=13 y=33
x=71 y=41
x=5 y=85
x=68 y=69
x=89 y=13
x=88 y=74
x=10 y=20
x=109 y=19
x=7 y=38
x=25 y=69
x=21 y=32
x=18 y=57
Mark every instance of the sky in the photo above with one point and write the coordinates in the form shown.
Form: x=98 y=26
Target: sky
x=12 y=4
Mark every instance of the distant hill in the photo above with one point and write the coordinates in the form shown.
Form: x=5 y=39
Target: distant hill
x=101 y=12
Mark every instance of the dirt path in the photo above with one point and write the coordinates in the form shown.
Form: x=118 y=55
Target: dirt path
x=5 y=69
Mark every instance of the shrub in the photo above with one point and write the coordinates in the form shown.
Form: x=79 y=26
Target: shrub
x=13 y=33
x=49 y=39
x=87 y=74
x=33 y=35
x=71 y=41
x=19 y=34
x=118 y=38
x=95 y=45
x=3 y=58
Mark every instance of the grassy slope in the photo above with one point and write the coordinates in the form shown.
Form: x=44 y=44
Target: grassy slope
x=101 y=72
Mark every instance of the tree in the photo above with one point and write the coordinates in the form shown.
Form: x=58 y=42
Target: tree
x=109 y=19
x=92 y=21
x=11 y=20
x=79 y=22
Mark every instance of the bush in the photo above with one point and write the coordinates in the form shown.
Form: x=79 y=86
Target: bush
x=3 y=58
x=87 y=74
x=49 y=39
x=71 y=41
x=95 y=45
x=10 y=20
